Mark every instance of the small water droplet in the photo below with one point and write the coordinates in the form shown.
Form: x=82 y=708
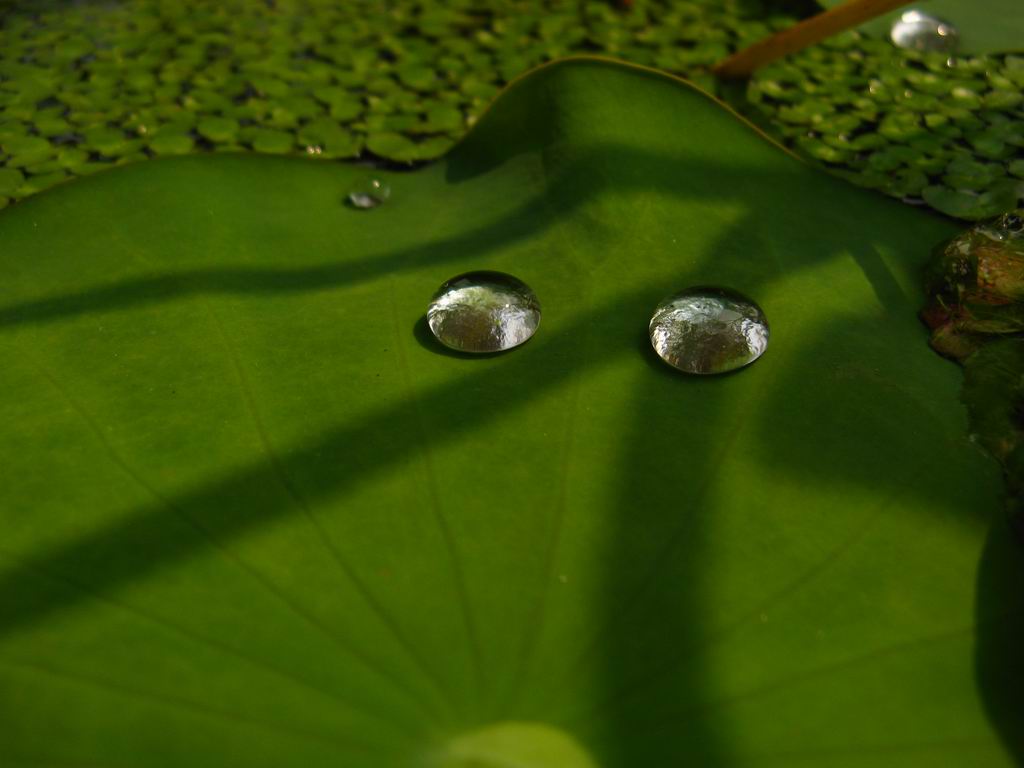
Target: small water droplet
x=708 y=330
x=483 y=312
x=923 y=32
x=369 y=193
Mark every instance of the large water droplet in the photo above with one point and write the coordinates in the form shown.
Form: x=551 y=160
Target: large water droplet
x=923 y=32
x=708 y=330
x=369 y=192
x=483 y=312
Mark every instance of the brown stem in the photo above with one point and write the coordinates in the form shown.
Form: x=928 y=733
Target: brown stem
x=805 y=33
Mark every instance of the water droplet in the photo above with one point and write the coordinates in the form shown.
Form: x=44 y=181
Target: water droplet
x=923 y=32
x=369 y=193
x=708 y=330
x=483 y=312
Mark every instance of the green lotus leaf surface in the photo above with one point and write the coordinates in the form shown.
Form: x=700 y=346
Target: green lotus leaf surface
x=253 y=514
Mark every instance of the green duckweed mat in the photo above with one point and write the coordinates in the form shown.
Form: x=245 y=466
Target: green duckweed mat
x=85 y=85
x=924 y=127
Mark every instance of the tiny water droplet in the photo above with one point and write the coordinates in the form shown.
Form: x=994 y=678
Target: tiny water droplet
x=369 y=193
x=923 y=32
x=483 y=312
x=708 y=330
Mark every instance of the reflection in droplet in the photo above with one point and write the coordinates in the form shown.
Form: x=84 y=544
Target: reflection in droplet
x=923 y=32
x=483 y=312
x=369 y=193
x=708 y=330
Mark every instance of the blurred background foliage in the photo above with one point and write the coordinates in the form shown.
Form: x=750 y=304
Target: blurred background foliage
x=90 y=83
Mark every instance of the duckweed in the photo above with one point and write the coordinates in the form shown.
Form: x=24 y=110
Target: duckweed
x=87 y=85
